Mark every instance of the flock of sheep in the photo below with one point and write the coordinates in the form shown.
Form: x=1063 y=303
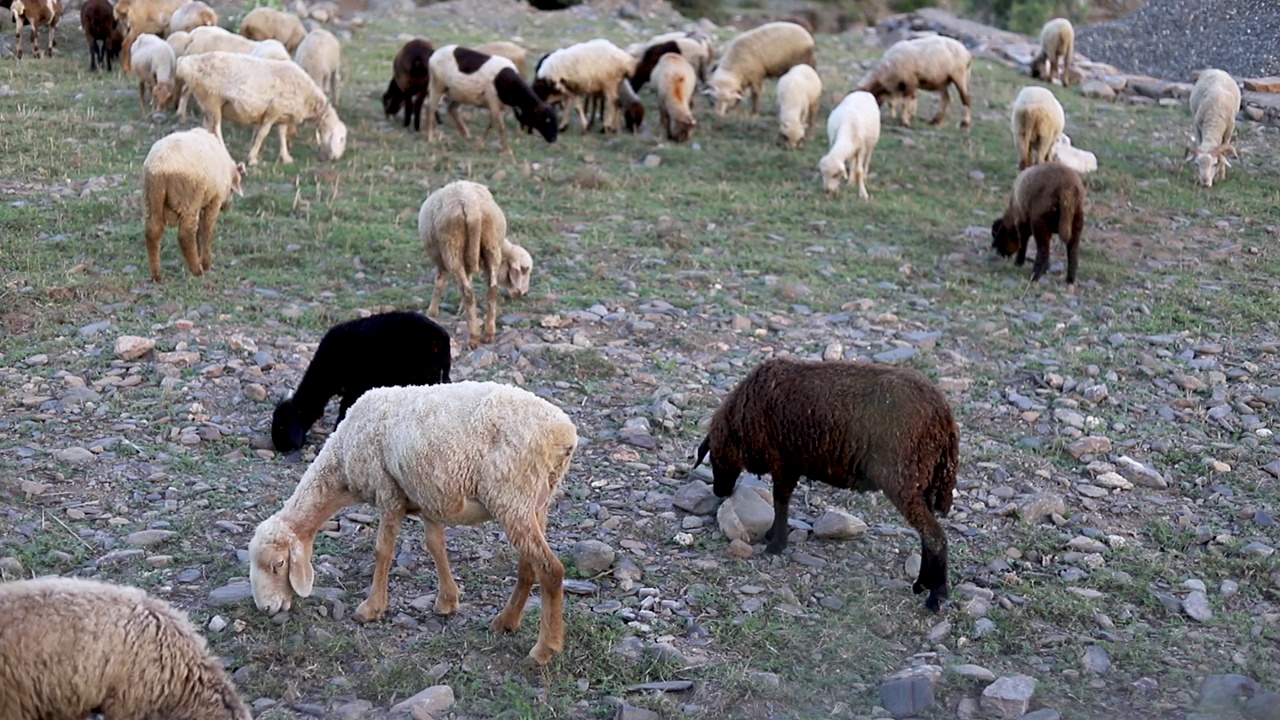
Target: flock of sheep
x=410 y=441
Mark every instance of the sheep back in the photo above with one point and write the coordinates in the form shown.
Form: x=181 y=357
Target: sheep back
x=262 y=23
x=191 y=16
x=799 y=94
x=591 y=67
x=209 y=39
x=320 y=54
x=748 y=59
x=1037 y=119
x=460 y=226
x=246 y=87
x=185 y=172
x=509 y=50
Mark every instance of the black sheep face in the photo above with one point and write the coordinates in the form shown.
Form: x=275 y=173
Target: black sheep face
x=543 y=119
x=1004 y=238
x=392 y=99
x=287 y=434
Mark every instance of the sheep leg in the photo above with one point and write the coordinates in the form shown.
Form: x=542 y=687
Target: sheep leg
x=442 y=280
x=457 y=120
x=509 y=619
x=962 y=87
x=154 y=233
x=491 y=313
x=188 y=240
x=1024 y=232
x=933 y=554
x=142 y=96
x=1024 y=151
x=468 y=306
x=1043 y=234
x=1072 y=238
x=17 y=50
x=432 y=103
x=531 y=542
x=942 y=111
x=908 y=106
x=447 y=589
x=285 y=157
x=783 y=485
x=208 y=221
x=610 y=111
x=53 y=39
x=388 y=529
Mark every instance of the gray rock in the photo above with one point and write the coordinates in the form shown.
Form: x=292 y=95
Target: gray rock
x=625 y=711
x=1096 y=660
x=1257 y=549
x=666 y=686
x=895 y=355
x=838 y=525
x=11 y=568
x=1225 y=694
x=1139 y=473
x=592 y=557
x=1042 y=714
x=765 y=683
x=1086 y=545
x=1264 y=706
x=78 y=396
x=132 y=347
x=1089 y=445
x=1097 y=89
x=696 y=497
x=983 y=626
x=1036 y=508
x=230 y=594
x=745 y=515
x=907 y=697
x=580 y=587
x=1196 y=606
x=977 y=672
x=75 y=456
x=144 y=538
x=93 y=328
x=354 y=710
x=1008 y=697
x=433 y=701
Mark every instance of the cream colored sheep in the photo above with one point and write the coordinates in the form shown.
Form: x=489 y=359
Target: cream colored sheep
x=178 y=41
x=764 y=52
x=210 y=39
x=153 y=66
x=473 y=78
x=320 y=54
x=37 y=14
x=144 y=16
x=1082 y=161
x=71 y=647
x=455 y=454
x=187 y=179
x=191 y=16
x=1215 y=100
x=799 y=97
x=853 y=129
x=928 y=63
x=674 y=79
x=571 y=75
x=696 y=47
x=262 y=23
x=464 y=232
x=509 y=50
x=1057 y=41
x=266 y=93
x=271 y=49
x=1036 y=120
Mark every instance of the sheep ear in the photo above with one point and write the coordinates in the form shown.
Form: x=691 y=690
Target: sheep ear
x=301 y=574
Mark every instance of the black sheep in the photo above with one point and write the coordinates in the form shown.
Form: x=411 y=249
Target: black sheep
x=388 y=349
x=410 y=81
x=861 y=426
x=99 y=23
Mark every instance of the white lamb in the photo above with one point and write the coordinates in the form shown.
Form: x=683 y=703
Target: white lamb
x=853 y=129
x=266 y=93
x=571 y=75
x=747 y=60
x=71 y=647
x=153 y=65
x=1057 y=42
x=928 y=63
x=262 y=23
x=1082 y=161
x=455 y=454
x=178 y=41
x=320 y=54
x=1037 y=120
x=464 y=232
x=799 y=96
x=1215 y=100
x=674 y=80
x=192 y=15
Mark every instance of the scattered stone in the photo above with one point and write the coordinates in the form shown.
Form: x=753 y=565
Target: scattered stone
x=696 y=497
x=1257 y=549
x=976 y=672
x=838 y=525
x=1036 y=508
x=144 y=538
x=75 y=456
x=740 y=550
x=1196 y=606
x=1141 y=474
x=255 y=392
x=907 y=697
x=765 y=683
x=1089 y=445
x=354 y=710
x=1042 y=714
x=1097 y=89
x=592 y=557
x=1008 y=697
x=11 y=568
x=217 y=623
x=1096 y=660
x=1224 y=695
x=132 y=347
x=230 y=594
x=430 y=702
x=631 y=712
x=1087 y=545
x=667 y=686
x=939 y=631
x=1263 y=706
x=745 y=515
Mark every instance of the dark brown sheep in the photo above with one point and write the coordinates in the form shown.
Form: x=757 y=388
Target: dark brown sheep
x=1047 y=198
x=99 y=23
x=410 y=82
x=861 y=426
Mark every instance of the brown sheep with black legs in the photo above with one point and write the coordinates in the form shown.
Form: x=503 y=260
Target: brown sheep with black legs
x=100 y=30
x=861 y=426
x=410 y=81
x=1047 y=198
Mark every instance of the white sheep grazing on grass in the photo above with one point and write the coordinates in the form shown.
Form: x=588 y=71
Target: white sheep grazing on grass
x=1036 y=120
x=266 y=93
x=320 y=54
x=1215 y=100
x=212 y=38
x=928 y=63
x=799 y=97
x=1082 y=161
x=1057 y=41
x=263 y=23
x=455 y=454
x=853 y=129
x=748 y=59
x=571 y=75
x=464 y=232
x=153 y=66
x=674 y=80
x=71 y=647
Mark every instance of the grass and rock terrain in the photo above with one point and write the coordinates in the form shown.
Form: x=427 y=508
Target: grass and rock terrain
x=1112 y=536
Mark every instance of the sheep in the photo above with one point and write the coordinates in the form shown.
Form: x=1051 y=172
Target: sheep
x=383 y=350
x=696 y=50
x=144 y=16
x=37 y=14
x=262 y=23
x=410 y=81
x=99 y=26
x=1057 y=40
x=799 y=97
x=73 y=647
x=570 y=75
x=928 y=63
x=153 y=66
x=1036 y=120
x=249 y=90
x=271 y=49
x=853 y=129
x=179 y=41
x=857 y=425
x=674 y=79
x=488 y=81
x=628 y=103
x=509 y=50
x=320 y=55
x=187 y=179
x=191 y=16
x=456 y=454
x=464 y=232
x=1082 y=161
x=1047 y=198
x=1215 y=100
x=767 y=51
x=210 y=39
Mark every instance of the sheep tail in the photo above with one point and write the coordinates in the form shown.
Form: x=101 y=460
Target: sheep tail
x=703 y=449
x=942 y=489
x=474 y=222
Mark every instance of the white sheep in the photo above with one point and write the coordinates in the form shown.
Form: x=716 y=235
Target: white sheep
x=187 y=180
x=464 y=232
x=799 y=96
x=213 y=38
x=1057 y=41
x=266 y=93
x=696 y=47
x=153 y=66
x=488 y=81
x=1082 y=161
x=320 y=54
x=1215 y=100
x=178 y=41
x=747 y=60
x=506 y=49
x=928 y=63
x=71 y=647
x=455 y=454
x=1037 y=120
x=192 y=15
x=271 y=49
x=144 y=16
x=571 y=75
x=262 y=23
x=674 y=79
x=853 y=129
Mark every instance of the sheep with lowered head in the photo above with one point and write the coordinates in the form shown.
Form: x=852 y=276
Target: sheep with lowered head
x=489 y=81
x=799 y=96
x=153 y=66
x=191 y=16
x=927 y=63
x=455 y=454
x=573 y=74
x=464 y=232
x=1047 y=198
x=1215 y=100
x=1057 y=41
x=71 y=647
x=410 y=81
x=748 y=59
x=320 y=54
x=853 y=129
x=856 y=425
x=1082 y=161
x=262 y=23
x=674 y=80
x=1037 y=120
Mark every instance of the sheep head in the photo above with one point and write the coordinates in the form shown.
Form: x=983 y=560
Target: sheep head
x=1211 y=164
x=279 y=566
x=542 y=118
x=287 y=431
x=833 y=172
x=331 y=134
x=517 y=264
x=1005 y=238
x=724 y=90
x=160 y=95
x=393 y=99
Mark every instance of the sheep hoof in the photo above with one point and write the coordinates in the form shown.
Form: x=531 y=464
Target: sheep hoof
x=367 y=613
x=542 y=654
x=445 y=606
x=934 y=602
x=504 y=624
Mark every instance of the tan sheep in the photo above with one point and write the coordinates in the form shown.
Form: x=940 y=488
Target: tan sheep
x=1057 y=42
x=144 y=16
x=799 y=97
x=37 y=14
x=71 y=647
x=928 y=63
x=464 y=232
x=262 y=23
x=320 y=54
x=153 y=66
x=179 y=41
x=747 y=60
x=1215 y=100
x=1037 y=120
x=270 y=49
x=674 y=79
x=853 y=129
x=455 y=454
x=191 y=16
x=509 y=50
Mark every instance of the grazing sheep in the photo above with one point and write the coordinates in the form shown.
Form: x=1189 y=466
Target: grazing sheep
x=853 y=129
x=187 y=179
x=179 y=41
x=320 y=54
x=928 y=63
x=764 y=52
x=1036 y=120
x=266 y=93
x=410 y=81
x=464 y=232
x=674 y=80
x=856 y=425
x=144 y=16
x=1215 y=100
x=191 y=16
x=1057 y=40
x=628 y=104
x=37 y=14
x=1082 y=161
x=99 y=24
x=262 y=23
x=210 y=39
x=509 y=50
x=570 y=75
x=473 y=78
x=271 y=49
x=383 y=350
x=70 y=648
x=799 y=97
x=153 y=66
x=1047 y=198
x=697 y=50
x=456 y=454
